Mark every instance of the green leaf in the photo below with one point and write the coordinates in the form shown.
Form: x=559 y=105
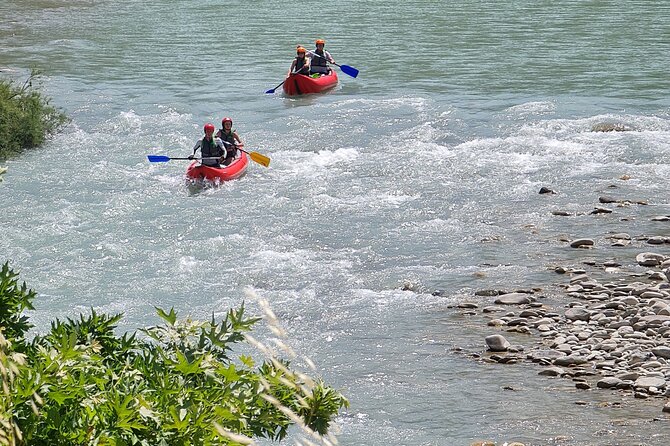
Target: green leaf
x=247 y=360
x=170 y=317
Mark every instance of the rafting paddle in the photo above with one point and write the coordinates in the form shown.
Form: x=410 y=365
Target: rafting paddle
x=165 y=159
x=272 y=90
x=351 y=71
x=255 y=156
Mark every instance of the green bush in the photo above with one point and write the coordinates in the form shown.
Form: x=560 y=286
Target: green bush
x=26 y=117
x=177 y=383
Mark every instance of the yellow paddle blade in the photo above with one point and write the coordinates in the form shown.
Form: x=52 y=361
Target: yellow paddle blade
x=260 y=159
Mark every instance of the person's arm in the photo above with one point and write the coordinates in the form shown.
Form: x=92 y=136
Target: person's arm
x=219 y=143
x=237 y=138
x=290 y=70
x=195 y=148
x=329 y=58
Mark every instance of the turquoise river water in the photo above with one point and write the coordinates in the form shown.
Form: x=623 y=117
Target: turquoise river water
x=424 y=170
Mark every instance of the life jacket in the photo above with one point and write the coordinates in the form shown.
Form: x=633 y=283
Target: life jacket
x=210 y=149
x=230 y=140
x=320 y=61
x=300 y=62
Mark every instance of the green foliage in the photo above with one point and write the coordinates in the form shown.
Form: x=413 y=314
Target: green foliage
x=177 y=383
x=26 y=116
x=14 y=299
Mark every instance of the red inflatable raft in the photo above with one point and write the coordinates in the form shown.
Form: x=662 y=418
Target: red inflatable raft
x=297 y=84
x=217 y=174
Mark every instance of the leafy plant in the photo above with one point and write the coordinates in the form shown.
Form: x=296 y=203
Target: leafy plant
x=14 y=299
x=26 y=116
x=177 y=383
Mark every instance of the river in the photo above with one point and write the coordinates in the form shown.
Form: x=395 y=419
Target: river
x=420 y=175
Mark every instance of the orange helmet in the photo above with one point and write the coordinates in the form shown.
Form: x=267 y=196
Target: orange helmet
x=209 y=128
x=301 y=50
x=320 y=41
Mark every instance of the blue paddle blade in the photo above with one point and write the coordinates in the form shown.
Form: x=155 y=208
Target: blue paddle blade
x=351 y=71
x=158 y=158
x=270 y=91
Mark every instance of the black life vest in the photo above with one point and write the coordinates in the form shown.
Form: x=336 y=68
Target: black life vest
x=300 y=62
x=229 y=142
x=208 y=148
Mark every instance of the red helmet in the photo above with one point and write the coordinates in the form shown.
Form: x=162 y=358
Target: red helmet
x=209 y=128
x=320 y=41
x=226 y=119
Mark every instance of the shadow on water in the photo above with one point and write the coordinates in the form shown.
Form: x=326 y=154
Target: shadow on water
x=197 y=187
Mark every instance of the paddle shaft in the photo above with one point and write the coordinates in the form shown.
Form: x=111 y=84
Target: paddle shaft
x=255 y=156
x=272 y=90
x=351 y=71
x=322 y=57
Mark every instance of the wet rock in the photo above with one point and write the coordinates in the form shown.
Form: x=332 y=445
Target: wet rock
x=545 y=190
x=578 y=314
x=552 y=371
x=599 y=210
x=661 y=352
x=649 y=259
x=561 y=213
x=582 y=385
x=491 y=309
x=570 y=361
x=513 y=299
x=581 y=242
x=656 y=240
x=609 y=127
x=497 y=343
x=645 y=382
x=609 y=382
x=488 y=293
x=496 y=323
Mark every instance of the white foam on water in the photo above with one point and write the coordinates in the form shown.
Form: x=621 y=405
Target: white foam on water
x=532 y=108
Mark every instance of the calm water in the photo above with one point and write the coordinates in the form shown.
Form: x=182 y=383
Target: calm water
x=424 y=169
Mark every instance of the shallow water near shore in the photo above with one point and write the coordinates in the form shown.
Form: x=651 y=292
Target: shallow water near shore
x=422 y=173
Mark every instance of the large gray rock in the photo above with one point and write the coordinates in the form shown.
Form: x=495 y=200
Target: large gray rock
x=661 y=352
x=513 y=299
x=568 y=361
x=649 y=259
x=608 y=382
x=497 y=343
x=578 y=314
x=552 y=371
x=646 y=382
x=581 y=243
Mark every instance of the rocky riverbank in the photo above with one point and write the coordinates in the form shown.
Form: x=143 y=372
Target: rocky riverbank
x=605 y=326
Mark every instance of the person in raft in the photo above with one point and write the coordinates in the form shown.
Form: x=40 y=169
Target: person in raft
x=320 y=59
x=210 y=147
x=300 y=64
x=230 y=139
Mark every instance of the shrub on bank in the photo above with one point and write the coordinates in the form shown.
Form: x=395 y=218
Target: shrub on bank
x=177 y=383
x=26 y=116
